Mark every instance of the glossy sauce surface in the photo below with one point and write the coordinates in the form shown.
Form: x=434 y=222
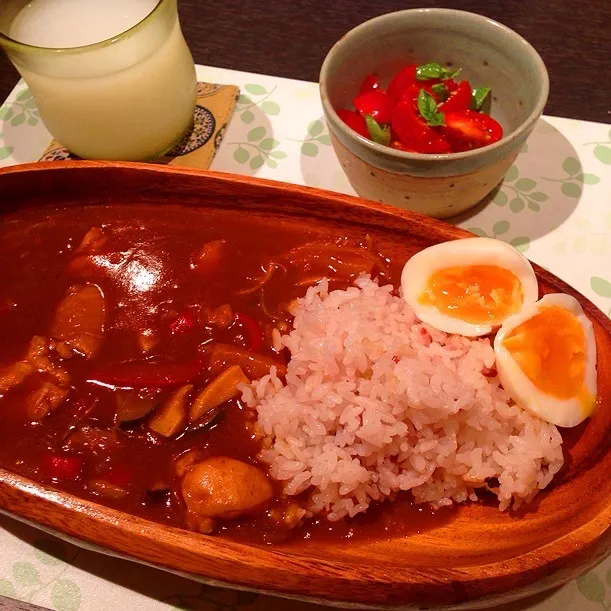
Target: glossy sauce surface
x=165 y=273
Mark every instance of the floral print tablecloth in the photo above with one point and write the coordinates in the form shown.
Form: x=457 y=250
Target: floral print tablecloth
x=554 y=205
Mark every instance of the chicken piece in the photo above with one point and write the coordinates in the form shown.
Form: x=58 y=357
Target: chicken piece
x=13 y=375
x=186 y=460
x=46 y=399
x=38 y=357
x=80 y=318
x=92 y=241
x=224 y=488
x=63 y=350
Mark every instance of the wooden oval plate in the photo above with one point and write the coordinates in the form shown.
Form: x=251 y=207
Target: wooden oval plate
x=479 y=558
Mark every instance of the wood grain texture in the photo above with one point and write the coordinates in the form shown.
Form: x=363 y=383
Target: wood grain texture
x=291 y=40
x=478 y=558
x=10 y=604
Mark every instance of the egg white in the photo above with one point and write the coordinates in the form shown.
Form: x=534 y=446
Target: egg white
x=561 y=412
x=470 y=251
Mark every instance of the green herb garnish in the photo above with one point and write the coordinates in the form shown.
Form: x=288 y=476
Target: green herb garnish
x=441 y=91
x=428 y=109
x=378 y=134
x=478 y=96
x=434 y=70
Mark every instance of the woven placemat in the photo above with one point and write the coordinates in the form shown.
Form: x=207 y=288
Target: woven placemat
x=215 y=104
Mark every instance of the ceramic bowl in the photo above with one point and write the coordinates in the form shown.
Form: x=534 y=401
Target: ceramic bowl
x=489 y=54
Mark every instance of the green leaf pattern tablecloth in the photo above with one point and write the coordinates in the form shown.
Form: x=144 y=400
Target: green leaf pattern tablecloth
x=554 y=205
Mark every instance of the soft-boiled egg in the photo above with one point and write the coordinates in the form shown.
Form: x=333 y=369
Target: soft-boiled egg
x=546 y=360
x=469 y=287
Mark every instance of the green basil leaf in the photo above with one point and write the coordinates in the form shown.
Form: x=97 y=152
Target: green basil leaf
x=434 y=70
x=378 y=134
x=448 y=74
x=428 y=71
x=428 y=109
x=478 y=96
x=441 y=91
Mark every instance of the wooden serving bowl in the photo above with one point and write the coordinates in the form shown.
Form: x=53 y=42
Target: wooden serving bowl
x=478 y=558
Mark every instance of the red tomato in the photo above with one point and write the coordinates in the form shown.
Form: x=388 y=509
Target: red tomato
x=148 y=374
x=459 y=100
x=376 y=103
x=62 y=467
x=354 y=121
x=397 y=144
x=469 y=129
x=370 y=83
x=183 y=323
x=252 y=330
x=415 y=135
x=413 y=90
x=451 y=85
x=401 y=81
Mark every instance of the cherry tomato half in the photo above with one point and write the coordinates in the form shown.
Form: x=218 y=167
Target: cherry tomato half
x=370 y=83
x=401 y=81
x=376 y=103
x=459 y=100
x=469 y=129
x=354 y=121
x=414 y=134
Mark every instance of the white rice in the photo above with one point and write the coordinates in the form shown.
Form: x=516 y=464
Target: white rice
x=376 y=402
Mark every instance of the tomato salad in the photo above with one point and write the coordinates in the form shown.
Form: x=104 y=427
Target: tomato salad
x=423 y=110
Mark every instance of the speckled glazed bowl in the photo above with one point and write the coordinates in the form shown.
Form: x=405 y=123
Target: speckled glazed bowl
x=488 y=53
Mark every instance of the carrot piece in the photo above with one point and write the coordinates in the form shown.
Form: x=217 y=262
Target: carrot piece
x=171 y=419
x=221 y=389
x=253 y=365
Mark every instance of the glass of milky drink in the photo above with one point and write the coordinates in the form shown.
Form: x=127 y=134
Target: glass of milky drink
x=113 y=79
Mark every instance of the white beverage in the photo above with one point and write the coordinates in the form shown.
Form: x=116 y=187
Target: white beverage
x=58 y=24
x=129 y=98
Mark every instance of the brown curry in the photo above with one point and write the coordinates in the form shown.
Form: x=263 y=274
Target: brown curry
x=125 y=334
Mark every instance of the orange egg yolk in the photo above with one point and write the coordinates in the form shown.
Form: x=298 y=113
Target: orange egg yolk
x=478 y=294
x=550 y=348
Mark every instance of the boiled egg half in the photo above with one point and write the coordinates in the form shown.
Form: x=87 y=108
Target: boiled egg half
x=469 y=287
x=546 y=360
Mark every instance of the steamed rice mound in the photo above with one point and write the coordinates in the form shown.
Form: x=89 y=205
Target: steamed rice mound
x=376 y=402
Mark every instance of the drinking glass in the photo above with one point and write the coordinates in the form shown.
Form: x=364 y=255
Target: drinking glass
x=130 y=97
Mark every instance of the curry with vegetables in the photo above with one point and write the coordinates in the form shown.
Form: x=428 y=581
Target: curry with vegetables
x=126 y=333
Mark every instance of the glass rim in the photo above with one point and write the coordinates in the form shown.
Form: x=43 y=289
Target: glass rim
x=15 y=45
